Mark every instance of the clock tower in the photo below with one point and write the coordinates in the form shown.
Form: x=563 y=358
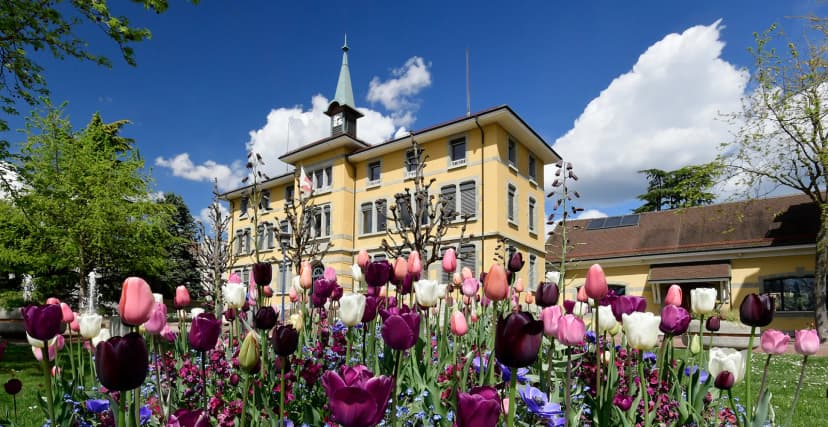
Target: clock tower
x=341 y=109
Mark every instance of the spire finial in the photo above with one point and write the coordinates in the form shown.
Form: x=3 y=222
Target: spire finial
x=344 y=93
x=345 y=46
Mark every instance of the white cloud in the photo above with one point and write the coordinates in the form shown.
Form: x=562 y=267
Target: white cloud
x=204 y=214
x=395 y=93
x=228 y=177
x=664 y=113
x=587 y=214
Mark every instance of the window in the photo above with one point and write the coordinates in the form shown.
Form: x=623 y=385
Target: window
x=374 y=169
x=533 y=273
x=619 y=290
x=367 y=218
x=533 y=168
x=245 y=204
x=457 y=151
x=449 y=193
x=322 y=178
x=265 y=202
x=270 y=235
x=468 y=199
x=373 y=217
x=289 y=194
x=284 y=229
x=404 y=211
x=792 y=293
x=382 y=223
x=246 y=241
x=410 y=207
x=239 y=241
x=322 y=221
x=261 y=237
x=410 y=164
x=512 y=152
x=379 y=257
x=468 y=257
x=531 y=214
x=511 y=192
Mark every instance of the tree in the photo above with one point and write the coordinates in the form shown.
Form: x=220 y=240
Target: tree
x=782 y=139
x=303 y=219
x=213 y=249
x=28 y=27
x=182 y=266
x=84 y=207
x=421 y=220
x=681 y=188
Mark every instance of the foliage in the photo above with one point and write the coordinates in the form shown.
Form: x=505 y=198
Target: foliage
x=85 y=206
x=782 y=140
x=181 y=264
x=681 y=188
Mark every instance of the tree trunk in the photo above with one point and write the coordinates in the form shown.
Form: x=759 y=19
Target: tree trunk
x=821 y=311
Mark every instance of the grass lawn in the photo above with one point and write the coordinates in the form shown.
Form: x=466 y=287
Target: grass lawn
x=812 y=409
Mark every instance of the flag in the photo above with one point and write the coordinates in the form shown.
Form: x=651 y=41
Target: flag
x=305 y=184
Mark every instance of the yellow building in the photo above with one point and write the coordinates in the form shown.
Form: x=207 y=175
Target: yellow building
x=756 y=246
x=489 y=163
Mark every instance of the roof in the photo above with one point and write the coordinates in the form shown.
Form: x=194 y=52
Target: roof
x=695 y=271
x=322 y=145
x=268 y=183
x=758 y=223
x=344 y=93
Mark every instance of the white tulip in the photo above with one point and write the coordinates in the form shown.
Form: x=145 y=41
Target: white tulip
x=429 y=292
x=727 y=359
x=90 y=325
x=195 y=311
x=356 y=273
x=296 y=321
x=580 y=309
x=297 y=284
x=351 y=309
x=234 y=294
x=553 y=277
x=641 y=329
x=34 y=342
x=703 y=300
x=158 y=297
x=606 y=320
x=103 y=335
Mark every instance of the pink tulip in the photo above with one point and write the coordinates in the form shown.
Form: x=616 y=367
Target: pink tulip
x=474 y=318
x=74 y=325
x=38 y=353
x=293 y=295
x=157 y=320
x=551 y=316
x=470 y=287
x=495 y=286
x=56 y=371
x=466 y=273
x=329 y=274
x=571 y=330
x=168 y=334
x=52 y=301
x=305 y=275
x=268 y=291
x=400 y=269
x=596 y=282
x=415 y=265
x=456 y=279
x=234 y=278
x=449 y=260
x=519 y=285
x=182 y=297
x=807 y=342
x=674 y=296
x=774 y=342
x=383 y=292
x=529 y=298
x=136 y=302
x=363 y=258
x=582 y=294
x=68 y=315
x=60 y=342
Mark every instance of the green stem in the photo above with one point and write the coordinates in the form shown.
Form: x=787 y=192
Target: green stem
x=136 y=405
x=122 y=409
x=568 y=390
x=47 y=376
x=661 y=352
x=282 y=395
x=798 y=389
x=748 y=396
x=764 y=377
x=348 y=337
x=733 y=406
x=512 y=387
x=395 y=388
x=244 y=400
x=643 y=382
x=597 y=360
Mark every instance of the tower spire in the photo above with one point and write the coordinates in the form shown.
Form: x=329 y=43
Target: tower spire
x=344 y=93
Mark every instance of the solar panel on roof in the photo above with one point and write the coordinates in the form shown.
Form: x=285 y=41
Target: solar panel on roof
x=612 y=222
x=630 y=220
x=596 y=224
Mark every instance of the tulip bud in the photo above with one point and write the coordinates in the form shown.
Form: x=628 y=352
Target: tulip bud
x=415 y=265
x=596 y=282
x=713 y=324
x=674 y=295
x=52 y=301
x=529 y=298
x=516 y=262
x=774 y=342
x=724 y=381
x=249 y=353
x=351 y=309
x=267 y=291
x=496 y=286
x=400 y=269
x=136 y=302
x=703 y=300
x=456 y=279
x=356 y=275
x=449 y=260
x=695 y=345
x=285 y=340
x=265 y=318
x=582 y=295
x=547 y=294
x=66 y=312
x=550 y=317
x=519 y=285
x=234 y=278
x=293 y=295
x=363 y=258
x=757 y=310
x=306 y=275
x=13 y=386
x=517 y=339
x=262 y=273
x=74 y=325
x=459 y=327
x=157 y=320
x=182 y=297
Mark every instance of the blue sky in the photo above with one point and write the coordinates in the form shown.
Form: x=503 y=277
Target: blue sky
x=614 y=86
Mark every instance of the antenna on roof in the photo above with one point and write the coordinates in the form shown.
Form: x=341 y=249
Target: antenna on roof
x=468 y=86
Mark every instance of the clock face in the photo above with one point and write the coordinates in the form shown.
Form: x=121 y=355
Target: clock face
x=337 y=120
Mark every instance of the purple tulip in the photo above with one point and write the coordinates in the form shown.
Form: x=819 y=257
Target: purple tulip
x=518 y=339
x=569 y=305
x=371 y=306
x=262 y=273
x=400 y=327
x=265 y=318
x=480 y=407
x=713 y=323
x=377 y=273
x=757 y=310
x=122 y=362
x=357 y=398
x=516 y=262
x=609 y=298
x=13 y=386
x=42 y=322
x=627 y=304
x=189 y=418
x=204 y=332
x=337 y=293
x=725 y=380
x=406 y=285
x=674 y=320
x=322 y=290
x=230 y=314
x=547 y=294
x=622 y=401
x=285 y=340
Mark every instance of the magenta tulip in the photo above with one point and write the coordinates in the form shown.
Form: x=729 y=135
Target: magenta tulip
x=371 y=306
x=42 y=322
x=550 y=317
x=627 y=305
x=571 y=330
x=357 y=398
x=757 y=310
x=378 y=273
x=122 y=362
x=518 y=339
x=157 y=320
x=596 y=282
x=674 y=320
x=204 y=332
x=622 y=401
x=480 y=407
x=136 y=302
x=189 y=418
x=400 y=327
x=807 y=342
x=774 y=342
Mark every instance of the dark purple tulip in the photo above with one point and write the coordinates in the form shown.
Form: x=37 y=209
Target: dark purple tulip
x=190 y=418
x=757 y=310
x=627 y=304
x=357 y=398
x=42 y=322
x=483 y=275
x=122 y=362
x=518 y=339
x=13 y=386
x=337 y=293
x=285 y=340
x=622 y=401
x=713 y=323
x=322 y=290
x=547 y=294
x=204 y=332
x=609 y=298
x=400 y=327
x=377 y=273
x=262 y=273
x=230 y=314
x=724 y=381
x=406 y=285
x=371 y=306
x=569 y=305
x=265 y=318
x=480 y=407
x=516 y=262
x=674 y=320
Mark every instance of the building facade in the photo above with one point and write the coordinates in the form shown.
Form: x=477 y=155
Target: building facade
x=490 y=165
x=755 y=246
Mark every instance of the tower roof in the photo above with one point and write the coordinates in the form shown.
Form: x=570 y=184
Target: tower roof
x=344 y=93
